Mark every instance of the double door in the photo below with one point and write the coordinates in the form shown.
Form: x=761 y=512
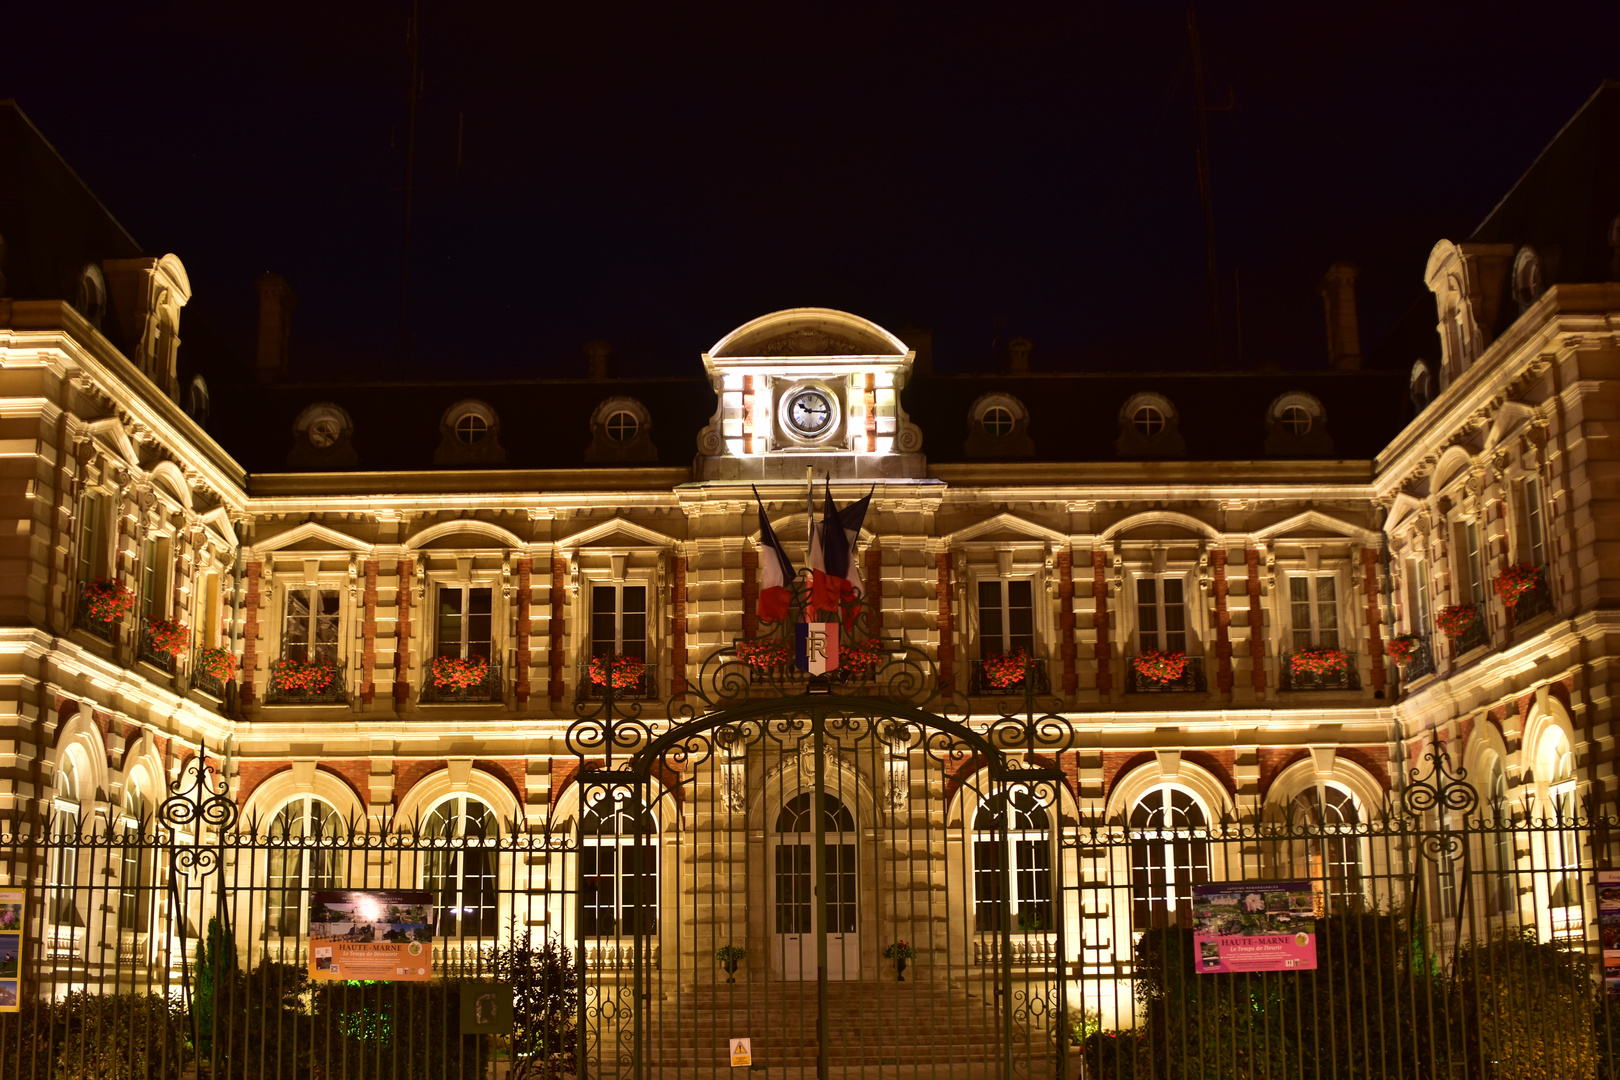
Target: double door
x=793 y=892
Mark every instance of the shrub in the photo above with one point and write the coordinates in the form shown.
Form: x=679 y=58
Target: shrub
x=545 y=994
x=1495 y=982
x=90 y=1036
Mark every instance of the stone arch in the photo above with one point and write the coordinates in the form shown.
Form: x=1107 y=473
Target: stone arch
x=80 y=739
x=281 y=788
x=1160 y=517
x=458 y=778
x=1204 y=786
x=1288 y=784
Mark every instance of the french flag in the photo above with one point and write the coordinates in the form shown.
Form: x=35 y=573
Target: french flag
x=775 y=571
x=830 y=581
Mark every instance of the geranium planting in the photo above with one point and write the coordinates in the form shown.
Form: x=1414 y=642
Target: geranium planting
x=862 y=658
x=216 y=663
x=303 y=676
x=764 y=653
x=1457 y=620
x=900 y=950
x=1320 y=661
x=625 y=671
x=1159 y=666
x=1003 y=670
x=166 y=636
x=1402 y=648
x=1515 y=581
x=459 y=673
x=106 y=600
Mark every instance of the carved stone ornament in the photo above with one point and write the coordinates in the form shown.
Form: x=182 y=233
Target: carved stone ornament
x=810 y=342
x=734 y=784
x=897 y=784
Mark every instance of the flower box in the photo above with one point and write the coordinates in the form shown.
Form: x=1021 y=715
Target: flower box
x=106 y=600
x=453 y=673
x=1402 y=648
x=216 y=664
x=1515 y=581
x=861 y=659
x=1160 y=667
x=1457 y=620
x=625 y=671
x=1005 y=670
x=303 y=676
x=167 y=637
x=1322 y=661
x=765 y=654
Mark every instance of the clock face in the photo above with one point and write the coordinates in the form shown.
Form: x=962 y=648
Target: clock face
x=809 y=412
x=323 y=432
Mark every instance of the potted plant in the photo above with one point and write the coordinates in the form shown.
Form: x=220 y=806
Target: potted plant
x=1457 y=620
x=166 y=636
x=1031 y=920
x=1515 y=581
x=861 y=659
x=1004 y=670
x=1324 y=660
x=216 y=664
x=454 y=673
x=107 y=600
x=625 y=671
x=900 y=952
x=1402 y=648
x=765 y=654
x=729 y=955
x=1160 y=667
x=303 y=676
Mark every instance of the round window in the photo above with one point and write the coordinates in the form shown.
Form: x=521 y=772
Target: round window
x=1148 y=420
x=471 y=428
x=1295 y=420
x=996 y=421
x=622 y=426
x=324 y=431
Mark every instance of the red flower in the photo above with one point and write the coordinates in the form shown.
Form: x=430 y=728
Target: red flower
x=1401 y=648
x=166 y=636
x=303 y=676
x=1004 y=670
x=1457 y=620
x=218 y=663
x=626 y=671
x=1515 y=581
x=861 y=659
x=1159 y=666
x=764 y=653
x=1322 y=661
x=107 y=600
x=455 y=673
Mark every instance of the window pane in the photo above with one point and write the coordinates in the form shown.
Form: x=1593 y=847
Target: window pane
x=450 y=621
x=295 y=635
x=604 y=619
x=1021 y=615
x=1327 y=612
x=992 y=624
x=1147 y=611
x=1175 y=616
x=480 y=622
x=326 y=625
x=635 y=599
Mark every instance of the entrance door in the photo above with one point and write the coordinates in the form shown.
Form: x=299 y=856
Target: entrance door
x=793 y=877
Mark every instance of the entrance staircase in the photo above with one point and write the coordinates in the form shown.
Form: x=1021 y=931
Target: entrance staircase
x=875 y=1030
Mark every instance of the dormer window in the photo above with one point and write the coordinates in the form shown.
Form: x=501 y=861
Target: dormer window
x=998 y=427
x=621 y=430
x=1296 y=426
x=1148 y=419
x=1149 y=426
x=197 y=400
x=996 y=422
x=471 y=429
x=322 y=437
x=469 y=434
x=622 y=426
x=1294 y=420
x=91 y=296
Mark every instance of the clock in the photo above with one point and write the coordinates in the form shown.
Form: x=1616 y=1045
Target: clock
x=809 y=412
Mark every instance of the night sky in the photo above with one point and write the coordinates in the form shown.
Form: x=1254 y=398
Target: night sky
x=655 y=176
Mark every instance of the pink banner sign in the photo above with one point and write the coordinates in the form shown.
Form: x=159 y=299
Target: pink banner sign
x=1254 y=926
x=1608 y=882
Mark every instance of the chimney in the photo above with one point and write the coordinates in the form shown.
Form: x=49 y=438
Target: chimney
x=920 y=342
x=596 y=359
x=1338 y=289
x=276 y=303
x=1018 y=350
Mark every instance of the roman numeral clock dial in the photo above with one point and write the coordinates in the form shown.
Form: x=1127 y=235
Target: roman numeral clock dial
x=809 y=412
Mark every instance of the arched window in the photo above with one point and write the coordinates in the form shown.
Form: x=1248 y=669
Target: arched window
x=795 y=866
x=1012 y=844
x=67 y=812
x=1169 y=855
x=460 y=870
x=619 y=866
x=1500 y=860
x=1333 y=854
x=134 y=886
x=1557 y=761
x=300 y=861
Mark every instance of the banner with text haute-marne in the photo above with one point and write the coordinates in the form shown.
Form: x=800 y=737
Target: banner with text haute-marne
x=1254 y=926
x=371 y=934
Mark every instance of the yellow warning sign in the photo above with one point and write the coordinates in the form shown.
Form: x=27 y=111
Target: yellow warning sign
x=742 y=1054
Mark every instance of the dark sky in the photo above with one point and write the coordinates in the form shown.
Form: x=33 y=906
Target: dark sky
x=657 y=174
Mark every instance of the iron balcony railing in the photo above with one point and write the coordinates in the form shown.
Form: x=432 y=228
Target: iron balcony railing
x=1191 y=680
x=335 y=692
x=1537 y=600
x=1422 y=662
x=643 y=689
x=101 y=629
x=1346 y=679
x=981 y=684
x=488 y=690
x=150 y=654
x=211 y=685
x=1478 y=635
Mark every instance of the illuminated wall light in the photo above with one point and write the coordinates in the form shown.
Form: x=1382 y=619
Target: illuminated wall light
x=885 y=444
x=733 y=381
x=734 y=447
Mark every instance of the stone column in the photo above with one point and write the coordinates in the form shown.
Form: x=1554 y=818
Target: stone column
x=1223 y=623
x=1099 y=621
x=1257 y=622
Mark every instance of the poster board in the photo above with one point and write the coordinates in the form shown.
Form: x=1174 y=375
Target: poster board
x=11 y=954
x=1254 y=926
x=381 y=934
x=1609 y=927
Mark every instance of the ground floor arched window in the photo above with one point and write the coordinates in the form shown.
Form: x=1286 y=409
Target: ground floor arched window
x=1333 y=853
x=299 y=862
x=618 y=866
x=460 y=871
x=1169 y=855
x=1012 y=863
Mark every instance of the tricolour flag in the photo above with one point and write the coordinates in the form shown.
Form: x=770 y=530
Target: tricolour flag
x=815 y=647
x=829 y=560
x=775 y=571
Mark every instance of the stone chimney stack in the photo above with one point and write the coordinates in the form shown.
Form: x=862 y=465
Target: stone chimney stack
x=276 y=303
x=596 y=359
x=1017 y=360
x=1338 y=289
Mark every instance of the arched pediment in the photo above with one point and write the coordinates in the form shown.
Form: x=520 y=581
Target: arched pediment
x=314 y=536
x=167 y=475
x=809 y=331
x=1314 y=523
x=1402 y=508
x=1454 y=461
x=794 y=528
x=617 y=532
x=1509 y=418
x=1005 y=526
x=483 y=531
x=1166 y=524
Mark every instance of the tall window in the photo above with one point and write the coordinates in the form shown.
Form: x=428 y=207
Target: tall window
x=619 y=620
x=1161 y=613
x=154 y=577
x=1007 y=615
x=795 y=865
x=133 y=881
x=311 y=629
x=1563 y=848
x=1501 y=863
x=1313 y=603
x=1472 y=570
x=461 y=875
x=300 y=861
x=92 y=538
x=466 y=621
x=618 y=862
x=67 y=812
x=1012 y=864
x=1169 y=855
x=208 y=605
x=1333 y=849
x=1417 y=593
x=1535 y=522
